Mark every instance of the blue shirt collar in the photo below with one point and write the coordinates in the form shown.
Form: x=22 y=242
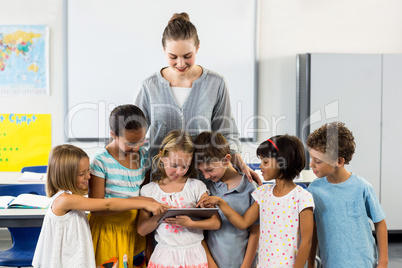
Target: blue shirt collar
x=239 y=189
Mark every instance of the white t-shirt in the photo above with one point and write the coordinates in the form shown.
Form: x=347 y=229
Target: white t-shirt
x=180 y=94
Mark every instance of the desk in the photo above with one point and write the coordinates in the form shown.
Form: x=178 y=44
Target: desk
x=20 y=217
x=13 y=178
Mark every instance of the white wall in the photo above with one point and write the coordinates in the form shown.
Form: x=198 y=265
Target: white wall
x=289 y=27
x=47 y=12
x=286 y=28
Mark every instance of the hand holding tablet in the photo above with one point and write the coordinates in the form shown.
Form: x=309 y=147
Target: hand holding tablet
x=193 y=213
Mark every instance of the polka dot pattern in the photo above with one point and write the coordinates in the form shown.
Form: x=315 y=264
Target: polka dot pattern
x=279 y=225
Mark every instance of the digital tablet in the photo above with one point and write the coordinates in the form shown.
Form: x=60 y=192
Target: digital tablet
x=193 y=213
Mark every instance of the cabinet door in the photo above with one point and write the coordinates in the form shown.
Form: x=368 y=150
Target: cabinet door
x=347 y=88
x=391 y=182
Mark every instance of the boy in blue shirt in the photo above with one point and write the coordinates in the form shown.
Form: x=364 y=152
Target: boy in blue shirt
x=229 y=246
x=344 y=204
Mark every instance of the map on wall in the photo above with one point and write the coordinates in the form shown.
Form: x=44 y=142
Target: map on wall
x=24 y=68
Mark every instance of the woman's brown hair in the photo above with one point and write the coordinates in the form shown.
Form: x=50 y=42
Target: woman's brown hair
x=180 y=28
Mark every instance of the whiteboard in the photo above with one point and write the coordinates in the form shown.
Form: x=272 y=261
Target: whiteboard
x=113 y=45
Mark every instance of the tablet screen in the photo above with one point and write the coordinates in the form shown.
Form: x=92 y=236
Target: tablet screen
x=193 y=213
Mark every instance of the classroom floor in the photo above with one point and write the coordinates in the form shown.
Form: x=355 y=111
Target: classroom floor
x=394 y=247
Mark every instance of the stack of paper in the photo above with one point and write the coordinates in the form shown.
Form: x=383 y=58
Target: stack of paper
x=32 y=176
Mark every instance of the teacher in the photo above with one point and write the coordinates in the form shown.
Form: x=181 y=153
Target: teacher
x=187 y=96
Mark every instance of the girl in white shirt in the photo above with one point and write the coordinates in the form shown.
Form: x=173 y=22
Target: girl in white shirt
x=179 y=239
x=65 y=239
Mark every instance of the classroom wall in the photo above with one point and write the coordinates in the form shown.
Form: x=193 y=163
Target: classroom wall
x=49 y=12
x=285 y=28
x=289 y=27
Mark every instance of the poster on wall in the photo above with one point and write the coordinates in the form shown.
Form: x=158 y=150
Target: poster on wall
x=24 y=60
x=25 y=140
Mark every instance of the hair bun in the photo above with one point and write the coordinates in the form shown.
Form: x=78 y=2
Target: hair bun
x=180 y=28
x=179 y=16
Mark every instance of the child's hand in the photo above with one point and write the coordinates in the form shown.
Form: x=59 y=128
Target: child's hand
x=201 y=204
x=209 y=201
x=251 y=175
x=155 y=207
x=181 y=220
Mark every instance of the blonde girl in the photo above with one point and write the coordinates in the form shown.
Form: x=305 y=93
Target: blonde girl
x=285 y=209
x=179 y=239
x=65 y=238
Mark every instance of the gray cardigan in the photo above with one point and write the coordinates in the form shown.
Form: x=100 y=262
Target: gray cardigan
x=207 y=108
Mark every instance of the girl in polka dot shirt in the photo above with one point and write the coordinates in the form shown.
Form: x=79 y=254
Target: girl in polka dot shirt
x=284 y=208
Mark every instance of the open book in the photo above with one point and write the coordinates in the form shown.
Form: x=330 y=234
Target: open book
x=32 y=176
x=24 y=201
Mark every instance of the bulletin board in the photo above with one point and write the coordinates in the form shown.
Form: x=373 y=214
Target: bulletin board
x=112 y=46
x=25 y=140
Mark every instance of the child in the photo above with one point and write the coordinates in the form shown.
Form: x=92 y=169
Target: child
x=212 y=155
x=118 y=170
x=65 y=238
x=179 y=239
x=344 y=204
x=284 y=208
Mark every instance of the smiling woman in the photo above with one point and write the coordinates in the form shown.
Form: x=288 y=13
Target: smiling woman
x=187 y=96
x=204 y=102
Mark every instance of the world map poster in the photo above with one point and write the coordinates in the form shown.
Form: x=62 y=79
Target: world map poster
x=24 y=60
